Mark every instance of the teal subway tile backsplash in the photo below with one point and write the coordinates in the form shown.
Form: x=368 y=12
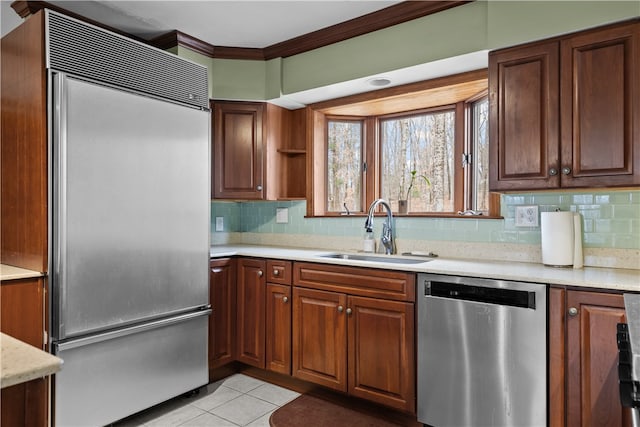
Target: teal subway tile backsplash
x=611 y=219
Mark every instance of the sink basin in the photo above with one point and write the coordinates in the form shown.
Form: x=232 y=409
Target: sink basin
x=375 y=258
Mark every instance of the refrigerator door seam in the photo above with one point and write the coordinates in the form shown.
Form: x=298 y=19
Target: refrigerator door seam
x=61 y=346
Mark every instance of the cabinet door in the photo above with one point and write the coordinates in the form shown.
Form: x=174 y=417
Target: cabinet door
x=381 y=351
x=237 y=164
x=320 y=337
x=222 y=296
x=278 y=326
x=523 y=117
x=600 y=107
x=557 y=359
x=22 y=317
x=250 y=312
x=593 y=397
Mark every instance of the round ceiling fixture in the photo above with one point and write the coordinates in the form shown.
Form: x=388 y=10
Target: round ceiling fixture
x=379 y=81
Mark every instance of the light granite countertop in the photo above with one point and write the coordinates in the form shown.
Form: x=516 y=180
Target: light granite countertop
x=22 y=362
x=10 y=272
x=627 y=280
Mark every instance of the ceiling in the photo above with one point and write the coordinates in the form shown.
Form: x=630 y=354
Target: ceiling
x=239 y=23
x=251 y=24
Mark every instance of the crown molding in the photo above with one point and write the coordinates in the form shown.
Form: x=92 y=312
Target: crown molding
x=387 y=17
x=25 y=8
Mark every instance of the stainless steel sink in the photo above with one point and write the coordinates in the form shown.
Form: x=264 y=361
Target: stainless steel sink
x=375 y=258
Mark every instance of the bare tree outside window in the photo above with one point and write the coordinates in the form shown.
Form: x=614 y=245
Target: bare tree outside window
x=415 y=146
x=344 y=166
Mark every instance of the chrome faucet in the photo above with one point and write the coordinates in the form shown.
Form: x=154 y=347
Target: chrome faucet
x=387 y=228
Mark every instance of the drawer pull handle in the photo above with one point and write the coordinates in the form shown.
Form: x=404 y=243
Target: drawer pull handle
x=260 y=273
x=573 y=311
x=285 y=300
x=276 y=272
x=340 y=309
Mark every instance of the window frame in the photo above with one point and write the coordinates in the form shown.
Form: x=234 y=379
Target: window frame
x=373 y=106
x=458 y=196
x=470 y=196
x=363 y=153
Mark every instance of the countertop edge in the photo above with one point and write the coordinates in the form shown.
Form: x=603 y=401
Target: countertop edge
x=22 y=362
x=587 y=277
x=10 y=272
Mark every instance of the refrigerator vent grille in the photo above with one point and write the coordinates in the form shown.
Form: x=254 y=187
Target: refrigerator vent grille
x=85 y=50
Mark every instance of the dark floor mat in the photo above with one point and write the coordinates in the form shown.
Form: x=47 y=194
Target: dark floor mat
x=310 y=411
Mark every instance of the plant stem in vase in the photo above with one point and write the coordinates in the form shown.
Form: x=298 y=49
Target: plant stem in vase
x=403 y=206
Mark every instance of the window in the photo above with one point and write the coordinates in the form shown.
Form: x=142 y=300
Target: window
x=344 y=165
x=416 y=164
x=411 y=149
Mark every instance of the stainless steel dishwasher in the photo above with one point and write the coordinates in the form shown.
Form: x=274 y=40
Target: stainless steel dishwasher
x=482 y=352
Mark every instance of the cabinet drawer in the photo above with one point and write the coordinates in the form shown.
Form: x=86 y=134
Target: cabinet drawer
x=279 y=272
x=360 y=281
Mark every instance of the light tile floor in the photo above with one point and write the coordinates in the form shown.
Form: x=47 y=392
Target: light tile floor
x=238 y=400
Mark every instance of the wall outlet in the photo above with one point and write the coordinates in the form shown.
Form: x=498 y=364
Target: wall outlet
x=282 y=215
x=219 y=223
x=526 y=216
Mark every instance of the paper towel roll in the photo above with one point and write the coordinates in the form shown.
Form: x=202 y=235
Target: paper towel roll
x=558 y=241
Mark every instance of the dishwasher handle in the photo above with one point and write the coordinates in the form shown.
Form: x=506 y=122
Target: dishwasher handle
x=482 y=294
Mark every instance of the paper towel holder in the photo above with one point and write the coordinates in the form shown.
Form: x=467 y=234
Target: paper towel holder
x=561 y=239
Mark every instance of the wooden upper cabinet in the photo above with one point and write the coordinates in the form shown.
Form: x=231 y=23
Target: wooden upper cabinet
x=565 y=113
x=23 y=152
x=258 y=151
x=237 y=164
x=600 y=107
x=524 y=113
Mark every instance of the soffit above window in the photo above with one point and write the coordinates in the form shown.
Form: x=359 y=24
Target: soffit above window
x=413 y=96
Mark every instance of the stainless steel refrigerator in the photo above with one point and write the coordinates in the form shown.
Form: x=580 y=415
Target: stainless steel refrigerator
x=130 y=197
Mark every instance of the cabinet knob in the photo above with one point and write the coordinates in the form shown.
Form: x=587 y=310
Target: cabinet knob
x=349 y=311
x=260 y=273
x=573 y=311
x=259 y=188
x=340 y=309
x=553 y=171
x=566 y=170
x=285 y=299
x=276 y=272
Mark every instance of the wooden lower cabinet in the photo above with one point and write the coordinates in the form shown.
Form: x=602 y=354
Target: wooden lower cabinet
x=589 y=369
x=250 y=315
x=363 y=346
x=222 y=296
x=381 y=351
x=278 y=328
x=22 y=317
x=320 y=337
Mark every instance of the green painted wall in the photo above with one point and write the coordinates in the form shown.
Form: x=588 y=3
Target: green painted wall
x=449 y=33
x=477 y=26
x=515 y=22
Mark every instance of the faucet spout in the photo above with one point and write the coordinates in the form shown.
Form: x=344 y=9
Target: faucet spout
x=386 y=239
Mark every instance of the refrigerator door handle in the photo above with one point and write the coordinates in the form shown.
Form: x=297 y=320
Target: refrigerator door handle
x=62 y=346
x=59 y=199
